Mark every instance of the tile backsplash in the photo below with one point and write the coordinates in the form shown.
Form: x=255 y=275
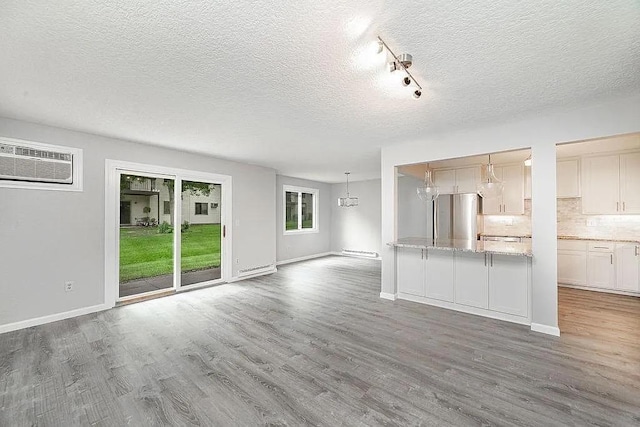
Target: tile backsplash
x=571 y=222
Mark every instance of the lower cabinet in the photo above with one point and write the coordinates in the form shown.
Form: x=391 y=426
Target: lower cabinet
x=572 y=267
x=493 y=283
x=628 y=267
x=410 y=268
x=601 y=272
x=471 y=280
x=508 y=284
x=439 y=275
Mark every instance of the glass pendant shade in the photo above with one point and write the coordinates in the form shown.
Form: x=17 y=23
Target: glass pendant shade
x=347 y=202
x=490 y=187
x=428 y=192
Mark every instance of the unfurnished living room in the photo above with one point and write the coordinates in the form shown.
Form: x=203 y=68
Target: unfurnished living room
x=325 y=213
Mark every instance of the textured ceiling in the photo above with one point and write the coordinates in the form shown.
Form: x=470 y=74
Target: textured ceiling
x=292 y=85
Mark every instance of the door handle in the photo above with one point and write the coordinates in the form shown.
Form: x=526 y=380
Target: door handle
x=224 y=231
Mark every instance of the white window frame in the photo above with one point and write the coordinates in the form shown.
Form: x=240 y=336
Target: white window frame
x=294 y=189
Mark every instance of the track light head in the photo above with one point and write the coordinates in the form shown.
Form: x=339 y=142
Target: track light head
x=380 y=46
x=417 y=94
x=393 y=66
x=406 y=81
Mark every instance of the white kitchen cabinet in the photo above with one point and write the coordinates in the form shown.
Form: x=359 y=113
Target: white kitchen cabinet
x=451 y=181
x=628 y=267
x=611 y=184
x=508 y=284
x=572 y=267
x=439 y=275
x=630 y=183
x=410 y=271
x=511 y=202
x=471 y=280
x=568 y=178
x=601 y=271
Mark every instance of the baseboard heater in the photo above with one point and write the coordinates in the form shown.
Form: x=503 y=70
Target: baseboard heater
x=252 y=270
x=364 y=254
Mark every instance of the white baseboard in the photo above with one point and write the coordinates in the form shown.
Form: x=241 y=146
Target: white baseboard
x=304 y=258
x=51 y=318
x=385 y=295
x=544 y=329
x=603 y=290
x=251 y=275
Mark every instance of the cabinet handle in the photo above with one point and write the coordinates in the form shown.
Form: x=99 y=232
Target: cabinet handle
x=600 y=247
x=636 y=250
x=421 y=253
x=623 y=206
x=491 y=255
x=617 y=206
x=611 y=259
x=485 y=259
x=426 y=254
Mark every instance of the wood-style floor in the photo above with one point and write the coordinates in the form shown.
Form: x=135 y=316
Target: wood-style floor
x=314 y=344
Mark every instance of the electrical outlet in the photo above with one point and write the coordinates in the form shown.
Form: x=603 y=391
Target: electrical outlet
x=591 y=222
x=68 y=286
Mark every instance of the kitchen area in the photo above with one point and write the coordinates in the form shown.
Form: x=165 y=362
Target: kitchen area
x=464 y=228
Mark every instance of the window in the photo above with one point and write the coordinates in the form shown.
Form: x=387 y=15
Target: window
x=167 y=207
x=202 y=209
x=300 y=213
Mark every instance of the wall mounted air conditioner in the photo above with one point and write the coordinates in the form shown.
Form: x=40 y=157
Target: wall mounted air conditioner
x=26 y=164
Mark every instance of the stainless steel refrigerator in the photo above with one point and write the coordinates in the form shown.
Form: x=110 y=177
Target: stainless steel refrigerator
x=457 y=216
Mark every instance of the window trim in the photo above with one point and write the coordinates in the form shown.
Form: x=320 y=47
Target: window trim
x=295 y=189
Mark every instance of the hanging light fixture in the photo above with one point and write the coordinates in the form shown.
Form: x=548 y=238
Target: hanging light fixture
x=347 y=202
x=429 y=191
x=401 y=62
x=490 y=187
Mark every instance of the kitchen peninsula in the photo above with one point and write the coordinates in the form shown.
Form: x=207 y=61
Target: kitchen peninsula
x=486 y=278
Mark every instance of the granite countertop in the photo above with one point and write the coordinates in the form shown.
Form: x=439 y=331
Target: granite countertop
x=598 y=239
x=477 y=246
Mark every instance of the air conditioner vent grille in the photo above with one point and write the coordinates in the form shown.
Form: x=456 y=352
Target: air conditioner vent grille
x=22 y=163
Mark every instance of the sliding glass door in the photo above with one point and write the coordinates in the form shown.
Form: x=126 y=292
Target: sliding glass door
x=201 y=232
x=145 y=229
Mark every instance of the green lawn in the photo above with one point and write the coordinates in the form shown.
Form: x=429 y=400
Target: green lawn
x=146 y=253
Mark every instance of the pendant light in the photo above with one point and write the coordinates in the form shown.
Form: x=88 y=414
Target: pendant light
x=428 y=191
x=490 y=187
x=347 y=202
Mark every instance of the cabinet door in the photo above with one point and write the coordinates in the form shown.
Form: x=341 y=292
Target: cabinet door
x=445 y=180
x=628 y=267
x=410 y=271
x=509 y=284
x=572 y=267
x=601 y=185
x=567 y=178
x=467 y=180
x=527 y=182
x=493 y=206
x=630 y=183
x=513 y=194
x=600 y=270
x=440 y=275
x=471 y=280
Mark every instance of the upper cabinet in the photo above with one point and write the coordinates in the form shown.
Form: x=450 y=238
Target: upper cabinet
x=511 y=202
x=452 y=181
x=568 y=178
x=611 y=184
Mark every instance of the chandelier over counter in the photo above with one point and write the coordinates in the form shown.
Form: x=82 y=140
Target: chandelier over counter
x=490 y=187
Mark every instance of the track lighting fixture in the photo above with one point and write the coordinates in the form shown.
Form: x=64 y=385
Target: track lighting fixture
x=401 y=62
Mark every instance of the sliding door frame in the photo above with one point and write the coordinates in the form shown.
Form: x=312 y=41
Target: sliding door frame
x=113 y=168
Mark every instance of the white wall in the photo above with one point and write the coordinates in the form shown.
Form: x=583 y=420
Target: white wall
x=413 y=213
x=541 y=132
x=293 y=246
x=48 y=237
x=357 y=228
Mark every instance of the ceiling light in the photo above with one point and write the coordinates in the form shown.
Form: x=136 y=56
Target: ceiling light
x=401 y=62
x=429 y=191
x=527 y=162
x=490 y=187
x=347 y=202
